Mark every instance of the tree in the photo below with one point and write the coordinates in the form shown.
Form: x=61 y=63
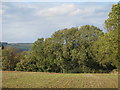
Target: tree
x=67 y=50
x=113 y=22
x=2 y=47
x=106 y=47
x=0 y=59
x=23 y=64
x=106 y=50
x=9 y=58
x=86 y=36
x=75 y=50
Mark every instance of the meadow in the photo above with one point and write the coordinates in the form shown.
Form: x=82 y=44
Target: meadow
x=13 y=79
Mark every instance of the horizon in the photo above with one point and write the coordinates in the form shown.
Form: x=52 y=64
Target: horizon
x=42 y=19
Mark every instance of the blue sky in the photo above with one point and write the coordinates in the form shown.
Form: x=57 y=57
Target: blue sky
x=28 y=21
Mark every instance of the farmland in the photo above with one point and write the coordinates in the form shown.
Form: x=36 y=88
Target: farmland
x=76 y=55
x=57 y=80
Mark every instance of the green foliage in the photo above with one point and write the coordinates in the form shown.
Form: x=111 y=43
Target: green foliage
x=10 y=58
x=106 y=50
x=113 y=22
x=67 y=50
x=75 y=50
x=23 y=62
x=0 y=58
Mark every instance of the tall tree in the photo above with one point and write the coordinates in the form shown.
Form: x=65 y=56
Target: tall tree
x=10 y=58
x=106 y=48
x=113 y=22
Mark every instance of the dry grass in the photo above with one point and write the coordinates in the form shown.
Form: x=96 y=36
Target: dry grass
x=57 y=80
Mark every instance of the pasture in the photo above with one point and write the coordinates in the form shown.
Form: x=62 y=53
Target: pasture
x=57 y=80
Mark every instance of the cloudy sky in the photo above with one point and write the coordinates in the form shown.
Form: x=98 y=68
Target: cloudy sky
x=27 y=21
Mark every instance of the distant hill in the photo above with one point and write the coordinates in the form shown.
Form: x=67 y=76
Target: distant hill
x=22 y=46
x=3 y=43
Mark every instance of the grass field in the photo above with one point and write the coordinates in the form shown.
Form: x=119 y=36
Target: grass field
x=57 y=80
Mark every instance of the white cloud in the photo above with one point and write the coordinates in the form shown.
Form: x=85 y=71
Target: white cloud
x=3 y=8
x=68 y=9
x=26 y=5
x=60 y=1
x=17 y=31
x=21 y=24
x=1 y=11
x=64 y=9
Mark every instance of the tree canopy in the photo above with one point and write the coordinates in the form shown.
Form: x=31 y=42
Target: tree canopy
x=74 y=50
x=113 y=21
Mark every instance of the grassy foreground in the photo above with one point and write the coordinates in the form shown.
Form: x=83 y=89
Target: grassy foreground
x=57 y=80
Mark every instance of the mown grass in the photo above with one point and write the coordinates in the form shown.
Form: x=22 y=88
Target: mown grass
x=57 y=80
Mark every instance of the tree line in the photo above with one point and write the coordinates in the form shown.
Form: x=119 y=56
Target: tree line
x=76 y=50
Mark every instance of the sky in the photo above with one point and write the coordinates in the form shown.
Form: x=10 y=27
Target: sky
x=25 y=22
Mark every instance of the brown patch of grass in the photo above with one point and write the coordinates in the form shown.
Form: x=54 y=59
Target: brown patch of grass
x=14 y=79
